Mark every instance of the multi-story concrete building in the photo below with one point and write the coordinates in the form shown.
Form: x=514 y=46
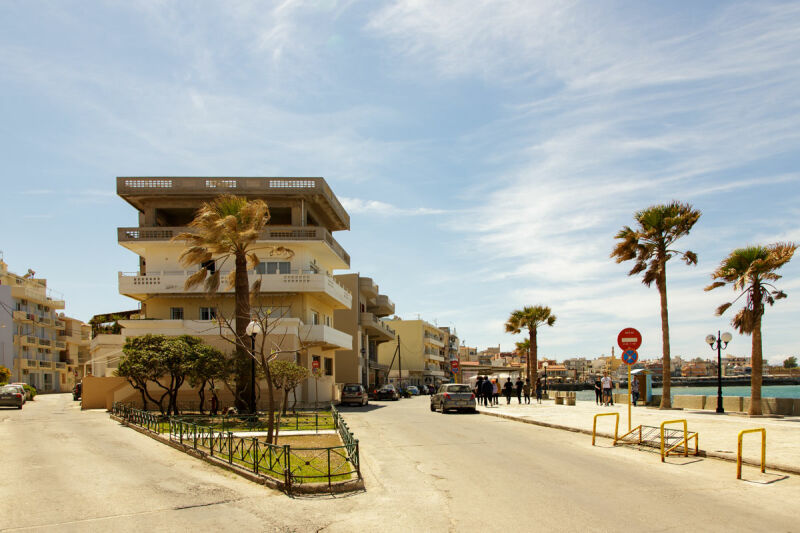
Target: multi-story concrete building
x=450 y=349
x=363 y=323
x=31 y=332
x=467 y=353
x=299 y=293
x=421 y=354
x=577 y=368
x=77 y=337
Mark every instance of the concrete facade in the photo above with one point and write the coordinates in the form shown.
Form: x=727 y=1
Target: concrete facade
x=421 y=353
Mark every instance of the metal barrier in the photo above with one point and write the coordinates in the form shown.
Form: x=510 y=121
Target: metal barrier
x=763 y=432
x=292 y=465
x=686 y=437
x=616 y=426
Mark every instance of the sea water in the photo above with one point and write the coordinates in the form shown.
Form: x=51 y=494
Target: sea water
x=767 y=391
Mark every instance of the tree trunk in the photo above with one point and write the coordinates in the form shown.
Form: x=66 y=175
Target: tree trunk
x=666 y=367
x=202 y=394
x=285 y=401
x=756 y=371
x=270 y=404
x=242 y=314
x=533 y=360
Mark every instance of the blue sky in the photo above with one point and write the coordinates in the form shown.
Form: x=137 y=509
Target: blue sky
x=487 y=151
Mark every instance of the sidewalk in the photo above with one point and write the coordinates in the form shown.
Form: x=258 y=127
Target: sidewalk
x=717 y=433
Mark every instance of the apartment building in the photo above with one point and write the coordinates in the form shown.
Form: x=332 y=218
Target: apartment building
x=421 y=353
x=450 y=350
x=363 y=323
x=299 y=293
x=77 y=337
x=467 y=353
x=32 y=341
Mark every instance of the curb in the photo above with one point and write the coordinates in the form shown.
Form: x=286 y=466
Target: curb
x=321 y=488
x=788 y=469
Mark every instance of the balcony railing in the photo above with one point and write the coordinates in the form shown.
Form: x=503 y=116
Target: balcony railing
x=45 y=342
x=383 y=306
x=37 y=294
x=269 y=233
x=45 y=364
x=368 y=320
x=297 y=281
x=22 y=316
x=61 y=345
x=61 y=366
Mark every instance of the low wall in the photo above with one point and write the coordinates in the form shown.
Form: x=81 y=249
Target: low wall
x=689 y=402
x=98 y=393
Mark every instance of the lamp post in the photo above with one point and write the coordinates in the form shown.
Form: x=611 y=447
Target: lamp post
x=719 y=342
x=253 y=329
x=544 y=365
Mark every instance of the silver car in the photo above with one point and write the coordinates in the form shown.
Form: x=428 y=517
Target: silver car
x=453 y=396
x=10 y=395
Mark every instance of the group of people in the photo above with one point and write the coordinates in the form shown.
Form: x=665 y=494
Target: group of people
x=604 y=387
x=487 y=391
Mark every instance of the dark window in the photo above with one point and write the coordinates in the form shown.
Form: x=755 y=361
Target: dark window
x=274 y=267
x=176 y=313
x=328 y=366
x=208 y=313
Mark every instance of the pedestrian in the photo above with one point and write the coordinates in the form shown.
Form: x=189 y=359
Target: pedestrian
x=634 y=391
x=598 y=392
x=479 y=389
x=605 y=384
x=487 y=390
x=526 y=389
x=495 y=392
x=508 y=388
x=518 y=387
x=539 y=390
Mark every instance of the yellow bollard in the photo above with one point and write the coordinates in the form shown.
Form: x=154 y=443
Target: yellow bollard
x=763 y=432
x=616 y=426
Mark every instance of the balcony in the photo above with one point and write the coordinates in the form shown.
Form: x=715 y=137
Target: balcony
x=383 y=306
x=434 y=357
x=36 y=294
x=433 y=340
x=320 y=239
x=60 y=366
x=45 y=342
x=22 y=316
x=60 y=345
x=60 y=324
x=325 y=336
x=21 y=362
x=376 y=329
x=367 y=287
x=44 y=364
x=315 y=190
x=26 y=340
x=141 y=287
x=44 y=321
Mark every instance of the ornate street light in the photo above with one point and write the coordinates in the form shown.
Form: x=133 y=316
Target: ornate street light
x=253 y=328
x=719 y=342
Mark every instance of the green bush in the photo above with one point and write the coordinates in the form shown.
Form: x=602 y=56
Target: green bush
x=31 y=389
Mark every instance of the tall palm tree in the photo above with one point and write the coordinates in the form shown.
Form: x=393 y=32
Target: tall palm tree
x=530 y=318
x=751 y=272
x=227 y=229
x=649 y=245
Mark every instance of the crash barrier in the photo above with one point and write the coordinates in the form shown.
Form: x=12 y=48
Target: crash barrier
x=665 y=439
x=763 y=432
x=616 y=426
x=289 y=464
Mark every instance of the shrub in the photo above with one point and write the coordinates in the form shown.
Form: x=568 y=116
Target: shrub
x=31 y=389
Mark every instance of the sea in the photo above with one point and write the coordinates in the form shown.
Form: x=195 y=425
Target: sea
x=767 y=391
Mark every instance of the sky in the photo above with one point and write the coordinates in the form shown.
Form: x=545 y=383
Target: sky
x=486 y=151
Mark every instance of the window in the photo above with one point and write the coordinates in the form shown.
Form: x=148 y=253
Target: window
x=327 y=320
x=314 y=318
x=328 y=366
x=274 y=267
x=176 y=313
x=208 y=313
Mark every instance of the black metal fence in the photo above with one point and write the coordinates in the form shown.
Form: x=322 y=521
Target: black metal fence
x=289 y=464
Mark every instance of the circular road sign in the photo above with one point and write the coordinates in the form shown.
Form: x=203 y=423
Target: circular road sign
x=315 y=364
x=629 y=357
x=629 y=339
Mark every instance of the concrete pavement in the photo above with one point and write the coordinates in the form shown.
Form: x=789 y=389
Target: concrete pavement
x=67 y=470
x=718 y=433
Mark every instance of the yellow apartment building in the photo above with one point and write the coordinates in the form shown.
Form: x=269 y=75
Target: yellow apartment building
x=421 y=354
x=300 y=293
x=363 y=323
x=450 y=350
x=32 y=341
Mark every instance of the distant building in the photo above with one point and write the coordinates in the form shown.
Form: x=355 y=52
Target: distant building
x=421 y=354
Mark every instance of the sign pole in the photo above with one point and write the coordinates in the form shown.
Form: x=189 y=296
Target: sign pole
x=629 y=340
x=629 y=398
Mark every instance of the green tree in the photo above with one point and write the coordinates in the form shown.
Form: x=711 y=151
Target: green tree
x=5 y=374
x=205 y=365
x=140 y=365
x=649 y=245
x=285 y=376
x=751 y=272
x=530 y=318
x=226 y=229
x=790 y=362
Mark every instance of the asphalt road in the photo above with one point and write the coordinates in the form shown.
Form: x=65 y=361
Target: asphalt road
x=67 y=470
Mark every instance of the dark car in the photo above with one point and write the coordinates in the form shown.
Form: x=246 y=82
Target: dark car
x=354 y=393
x=453 y=396
x=387 y=392
x=76 y=392
x=10 y=395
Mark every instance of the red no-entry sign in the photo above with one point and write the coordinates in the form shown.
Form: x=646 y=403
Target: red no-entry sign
x=629 y=339
x=315 y=364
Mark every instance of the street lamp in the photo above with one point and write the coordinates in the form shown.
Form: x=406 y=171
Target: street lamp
x=719 y=342
x=253 y=329
x=544 y=365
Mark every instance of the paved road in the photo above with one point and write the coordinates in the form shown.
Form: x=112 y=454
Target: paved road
x=67 y=470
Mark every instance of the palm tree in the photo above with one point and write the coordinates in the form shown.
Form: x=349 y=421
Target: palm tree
x=530 y=318
x=227 y=229
x=649 y=245
x=751 y=270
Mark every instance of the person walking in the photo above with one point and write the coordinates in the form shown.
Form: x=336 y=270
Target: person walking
x=526 y=390
x=539 y=390
x=508 y=388
x=605 y=383
x=487 y=390
x=598 y=392
x=634 y=391
x=479 y=389
x=518 y=387
x=495 y=392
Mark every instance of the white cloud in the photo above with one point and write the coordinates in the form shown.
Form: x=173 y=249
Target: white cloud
x=376 y=207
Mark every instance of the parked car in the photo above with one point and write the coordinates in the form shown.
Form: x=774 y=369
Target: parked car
x=413 y=390
x=76 y=392
x=354 y=393
x=19 y=388
x=11 y=395
x=25 y=389
x=387 y=392
x=453 y=396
